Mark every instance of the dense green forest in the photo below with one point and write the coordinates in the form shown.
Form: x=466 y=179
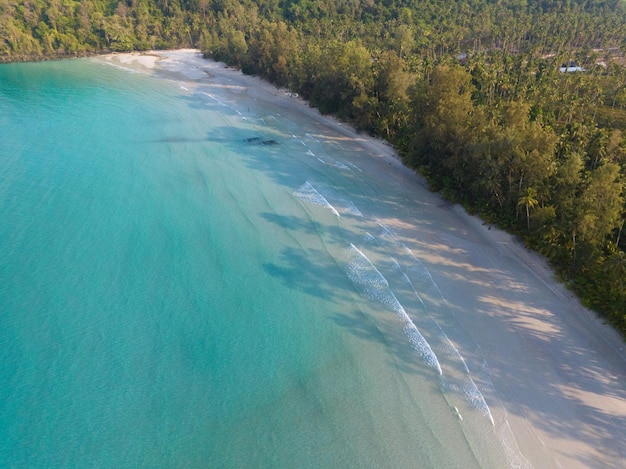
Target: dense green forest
x=471 y=93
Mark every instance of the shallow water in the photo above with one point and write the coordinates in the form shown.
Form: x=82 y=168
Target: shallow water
x=188 y=280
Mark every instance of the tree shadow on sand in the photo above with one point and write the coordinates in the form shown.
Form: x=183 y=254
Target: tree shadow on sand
x=559 y=379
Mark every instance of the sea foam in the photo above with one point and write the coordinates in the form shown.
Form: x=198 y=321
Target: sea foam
x=459 y=383
x=373 y=284
x=308 y=193
x=322 y=195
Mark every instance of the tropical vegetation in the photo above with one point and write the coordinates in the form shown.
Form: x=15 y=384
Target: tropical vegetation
x=513 y=108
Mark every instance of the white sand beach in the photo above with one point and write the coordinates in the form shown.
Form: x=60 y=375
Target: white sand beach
x=558 y=370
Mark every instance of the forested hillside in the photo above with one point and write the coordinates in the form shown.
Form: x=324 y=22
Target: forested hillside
x=471 y=93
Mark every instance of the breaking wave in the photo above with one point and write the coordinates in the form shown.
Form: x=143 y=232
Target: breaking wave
x=373 y=284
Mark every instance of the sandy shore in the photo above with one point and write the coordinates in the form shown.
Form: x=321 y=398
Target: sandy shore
x=559 y=372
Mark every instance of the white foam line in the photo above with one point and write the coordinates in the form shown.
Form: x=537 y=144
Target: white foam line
x=449 y=343
x=478 y=399
x=432 y=281
x=445 y=337
x=455 y=351
x=513 y=453
x=326 y=202
x=354 y=166
x=505 y=434
x=378 y=289
x=338 y=164
x=215 y=99
x=406 y=277
x=470 y=390
x=308 y=193
x=387 y=232
x=325 y=195
x=470 y=393
x=353 y=209
x=368 y=238
x=340 y=201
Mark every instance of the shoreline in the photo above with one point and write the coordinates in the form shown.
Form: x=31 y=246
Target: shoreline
x=560 y=370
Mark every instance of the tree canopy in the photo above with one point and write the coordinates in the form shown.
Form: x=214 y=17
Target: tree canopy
x=474 y=94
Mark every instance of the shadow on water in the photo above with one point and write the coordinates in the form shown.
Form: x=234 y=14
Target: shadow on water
x=320 y=278
x=227 y=134
x=250 y=141
x=332 y=233
x=401 y=356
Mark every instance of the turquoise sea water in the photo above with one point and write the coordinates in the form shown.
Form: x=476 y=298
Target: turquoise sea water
x=191 y=281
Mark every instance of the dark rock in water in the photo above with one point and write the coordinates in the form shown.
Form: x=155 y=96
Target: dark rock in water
x=260 y=141
x=253 y=140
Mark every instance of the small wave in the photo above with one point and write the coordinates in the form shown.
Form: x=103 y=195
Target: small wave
x=218 y=101
x=353 y=166
x=446 y=344
x=515 y=457
x=457 y=378
x=368 y=238
x=330 y=162
x=373 y=284
x=338 y=164
x=342 y=203
x=470 y=393
x=325 y=196
x=308 y=193
x=386 y=234
x=422 y=277
x=352 y=209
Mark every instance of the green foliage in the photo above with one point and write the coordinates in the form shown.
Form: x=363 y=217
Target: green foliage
x=469 y=92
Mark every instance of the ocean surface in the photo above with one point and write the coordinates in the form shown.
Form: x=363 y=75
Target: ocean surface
x=191 y=280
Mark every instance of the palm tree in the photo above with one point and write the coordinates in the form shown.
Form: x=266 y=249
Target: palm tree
x=528 y=200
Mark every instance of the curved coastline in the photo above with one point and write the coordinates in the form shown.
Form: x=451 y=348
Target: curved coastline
x=558 y=370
